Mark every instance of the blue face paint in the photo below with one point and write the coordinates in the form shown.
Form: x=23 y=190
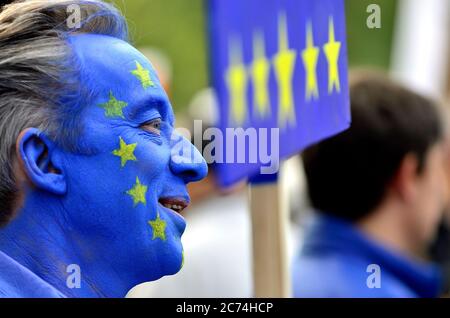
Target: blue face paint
x=104 y=212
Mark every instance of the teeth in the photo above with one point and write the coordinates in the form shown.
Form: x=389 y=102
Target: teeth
x=173 y=207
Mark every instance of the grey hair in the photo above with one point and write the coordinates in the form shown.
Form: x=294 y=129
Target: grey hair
x=39 y=84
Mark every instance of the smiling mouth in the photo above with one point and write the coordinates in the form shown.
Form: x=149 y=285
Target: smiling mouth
x=175 y=204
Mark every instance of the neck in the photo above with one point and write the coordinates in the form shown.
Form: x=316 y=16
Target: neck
x=39 y=239
x=386 y=225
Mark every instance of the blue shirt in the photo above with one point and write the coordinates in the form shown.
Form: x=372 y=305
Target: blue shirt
x=18 y=281
x=334 y=262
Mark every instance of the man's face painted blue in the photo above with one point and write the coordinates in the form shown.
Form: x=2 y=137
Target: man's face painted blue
x=113 y=212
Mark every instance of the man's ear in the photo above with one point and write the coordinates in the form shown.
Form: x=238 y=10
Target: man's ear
x=405 y=180
x=39 y=162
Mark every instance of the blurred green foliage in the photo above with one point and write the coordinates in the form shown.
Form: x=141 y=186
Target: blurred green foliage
x=178 y=28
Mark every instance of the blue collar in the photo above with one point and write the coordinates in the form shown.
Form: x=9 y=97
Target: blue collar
x=18 y=281
x=329 y=235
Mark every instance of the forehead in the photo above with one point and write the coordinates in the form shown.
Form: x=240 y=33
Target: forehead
x=108 y=64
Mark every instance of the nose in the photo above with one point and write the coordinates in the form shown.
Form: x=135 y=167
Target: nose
x=186 y=161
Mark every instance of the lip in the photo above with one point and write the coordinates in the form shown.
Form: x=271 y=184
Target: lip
x=175 y=204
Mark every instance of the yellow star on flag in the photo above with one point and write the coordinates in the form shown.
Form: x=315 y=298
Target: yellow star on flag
x=125 y=152
x=236 y=80
x=284 y=63
x=310 y=56
x=137 y=192
x=143 y=75
x=260 y=70
x=158 y=226
x=331 y=49
x=113 y=107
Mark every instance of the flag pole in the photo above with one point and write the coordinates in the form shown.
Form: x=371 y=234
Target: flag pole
x=269 y=218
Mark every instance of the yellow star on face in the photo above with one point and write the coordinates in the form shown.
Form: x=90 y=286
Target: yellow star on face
x=125 y=152
x=331 y=49
x=260 y=73
x=113 y=107
x=158 y=228
x=284 y=63
x=143 y=75
x=236 y=80
x=310 y=56
x=137 y=192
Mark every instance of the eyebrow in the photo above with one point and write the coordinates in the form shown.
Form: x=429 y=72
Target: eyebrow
x=139 y=106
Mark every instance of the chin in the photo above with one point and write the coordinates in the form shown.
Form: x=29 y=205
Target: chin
x=172 y=262
x=168 y=261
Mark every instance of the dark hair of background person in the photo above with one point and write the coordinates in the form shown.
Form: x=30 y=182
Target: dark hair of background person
x=347 y=174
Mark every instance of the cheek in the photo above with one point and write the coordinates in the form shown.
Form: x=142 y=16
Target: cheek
x=439 y=181
x=434 y=195
x=152 y=159
x=121 y=155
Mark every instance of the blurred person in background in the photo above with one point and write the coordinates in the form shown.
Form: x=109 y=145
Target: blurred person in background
x=378 y=190
x=439 y=249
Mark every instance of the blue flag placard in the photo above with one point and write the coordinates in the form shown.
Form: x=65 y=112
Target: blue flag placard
x=280 y=72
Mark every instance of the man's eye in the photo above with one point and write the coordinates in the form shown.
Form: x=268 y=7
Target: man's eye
x=153 y=126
